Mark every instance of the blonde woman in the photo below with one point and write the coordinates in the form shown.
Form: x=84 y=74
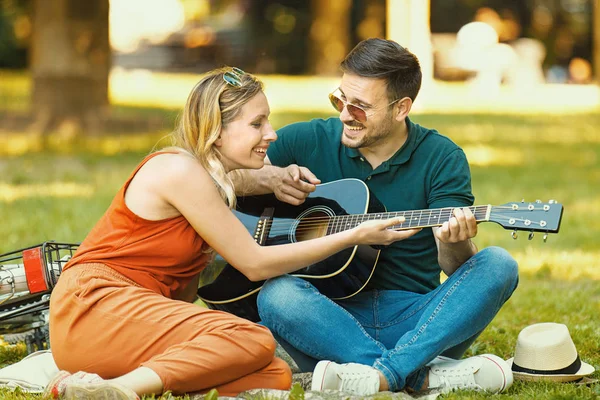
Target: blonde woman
x=121 y=314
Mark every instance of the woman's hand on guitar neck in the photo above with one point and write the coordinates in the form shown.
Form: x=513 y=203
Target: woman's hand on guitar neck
x=381 y=231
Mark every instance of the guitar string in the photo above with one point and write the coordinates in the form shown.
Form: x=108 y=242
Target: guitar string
x=426 y=213
x=280 y=227
x=344 y=219
x=328 y=221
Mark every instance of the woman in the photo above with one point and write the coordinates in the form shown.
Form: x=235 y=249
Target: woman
x=121 y=310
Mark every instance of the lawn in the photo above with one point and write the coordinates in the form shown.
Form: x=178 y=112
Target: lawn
x=58 y=194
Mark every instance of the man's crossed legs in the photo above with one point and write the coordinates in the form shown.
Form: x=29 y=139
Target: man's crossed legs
x=398 y=333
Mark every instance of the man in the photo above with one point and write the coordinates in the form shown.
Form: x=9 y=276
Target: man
x=399 y=331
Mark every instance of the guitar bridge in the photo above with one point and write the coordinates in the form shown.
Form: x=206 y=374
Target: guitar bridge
x=263 y=226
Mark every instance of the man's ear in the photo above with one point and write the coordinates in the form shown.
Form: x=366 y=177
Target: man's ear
x=403 y=107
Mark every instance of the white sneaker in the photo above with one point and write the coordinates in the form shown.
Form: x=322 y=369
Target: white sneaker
x=440 y=359
x=349 y=378
x=485 y=372
x=83 y=385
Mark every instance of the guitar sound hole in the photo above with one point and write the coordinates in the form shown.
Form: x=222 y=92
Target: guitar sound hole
x=312 y=226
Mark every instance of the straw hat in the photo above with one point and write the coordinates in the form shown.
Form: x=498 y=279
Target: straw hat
x=546 y=352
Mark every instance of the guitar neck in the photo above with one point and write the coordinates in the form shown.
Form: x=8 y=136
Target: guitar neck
x=414 y=219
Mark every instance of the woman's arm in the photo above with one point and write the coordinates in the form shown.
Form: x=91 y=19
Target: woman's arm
x=185 y=184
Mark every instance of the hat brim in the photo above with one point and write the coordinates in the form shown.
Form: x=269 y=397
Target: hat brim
x=586 y=369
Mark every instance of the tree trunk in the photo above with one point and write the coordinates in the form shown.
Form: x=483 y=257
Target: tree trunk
x=70 y=63
x=596 y=40
x=329 y=35
x=408 y=24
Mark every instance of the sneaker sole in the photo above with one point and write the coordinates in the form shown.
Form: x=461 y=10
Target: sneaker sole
x=51 y=391
x=319 y=375
x=98 y=392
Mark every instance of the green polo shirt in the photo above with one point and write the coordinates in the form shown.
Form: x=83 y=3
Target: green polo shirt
x=428 y=171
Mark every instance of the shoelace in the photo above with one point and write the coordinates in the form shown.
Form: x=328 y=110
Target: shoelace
x=356 y=382
x=87 y=377
x=458 y=379
x=83 y=377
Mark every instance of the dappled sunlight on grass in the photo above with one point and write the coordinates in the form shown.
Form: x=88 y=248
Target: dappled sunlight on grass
x=564 y=265
x=17 y=144
x=482 y=155
x=115 y=144
x=145 y=88
x=10 y=353
x=461 y=97
x=582 y=157
x=10 y=193
x=14 y=90
x=516 y=130
x=587 y=207
x=285 y=93
x=309 y=93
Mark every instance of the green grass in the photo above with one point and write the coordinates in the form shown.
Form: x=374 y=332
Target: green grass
x=60 y=192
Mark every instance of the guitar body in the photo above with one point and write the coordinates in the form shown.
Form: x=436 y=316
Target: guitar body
x=272 y=222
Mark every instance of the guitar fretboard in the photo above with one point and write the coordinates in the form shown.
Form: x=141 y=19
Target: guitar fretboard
x=413 y=218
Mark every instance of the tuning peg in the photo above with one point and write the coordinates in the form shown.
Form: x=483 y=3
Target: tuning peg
x=522 y=200
x=530 y=237
x=514 y=234
x=538 y=201
x=552 y=201
x=545 y=237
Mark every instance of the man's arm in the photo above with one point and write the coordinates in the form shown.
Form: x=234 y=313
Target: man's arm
x=291 y=184
x=255 y=181
x=453 y=240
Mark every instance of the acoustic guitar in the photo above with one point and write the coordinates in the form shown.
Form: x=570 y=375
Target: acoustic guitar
x=334 y=207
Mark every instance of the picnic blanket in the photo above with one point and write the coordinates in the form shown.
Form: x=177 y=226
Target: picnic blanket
x=31 y=374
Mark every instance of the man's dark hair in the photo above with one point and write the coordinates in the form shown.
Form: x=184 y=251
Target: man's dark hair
x=386 y=59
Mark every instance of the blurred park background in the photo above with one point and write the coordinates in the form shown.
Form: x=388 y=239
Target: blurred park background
x=87 y=88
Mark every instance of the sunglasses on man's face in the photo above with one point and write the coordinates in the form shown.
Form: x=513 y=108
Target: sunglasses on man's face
x=234 y=77
x=356 y=112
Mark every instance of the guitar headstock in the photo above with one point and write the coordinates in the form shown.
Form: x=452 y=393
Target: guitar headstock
x=528 y=216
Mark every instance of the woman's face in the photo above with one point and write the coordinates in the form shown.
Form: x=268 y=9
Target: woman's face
x=243 y=142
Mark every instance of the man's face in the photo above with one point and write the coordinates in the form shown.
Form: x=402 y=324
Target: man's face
x=370 y=94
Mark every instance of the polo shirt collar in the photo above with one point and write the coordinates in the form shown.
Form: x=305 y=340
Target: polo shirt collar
x=415 y=135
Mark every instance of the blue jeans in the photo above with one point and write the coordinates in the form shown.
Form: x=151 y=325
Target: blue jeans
x=397 y=332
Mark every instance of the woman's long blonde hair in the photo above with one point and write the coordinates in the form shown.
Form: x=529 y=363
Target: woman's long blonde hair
x=211 y=105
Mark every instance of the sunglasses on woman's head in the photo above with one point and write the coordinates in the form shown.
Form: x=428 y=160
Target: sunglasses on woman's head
x=234 y=77
x=357 y=112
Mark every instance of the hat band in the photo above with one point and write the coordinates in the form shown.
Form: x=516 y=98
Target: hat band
x=570 y=370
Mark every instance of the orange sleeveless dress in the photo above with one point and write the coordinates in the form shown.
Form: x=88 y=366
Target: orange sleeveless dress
x=160 y=255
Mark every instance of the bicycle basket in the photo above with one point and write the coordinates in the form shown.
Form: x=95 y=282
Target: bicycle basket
x=32 y=272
